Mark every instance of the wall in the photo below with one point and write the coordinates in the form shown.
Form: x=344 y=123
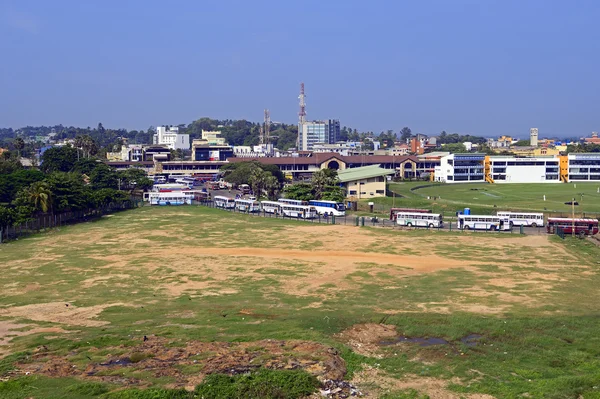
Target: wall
x=369 y=187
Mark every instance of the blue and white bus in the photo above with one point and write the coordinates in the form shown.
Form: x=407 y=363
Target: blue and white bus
x=328 y=207
x=169 y=198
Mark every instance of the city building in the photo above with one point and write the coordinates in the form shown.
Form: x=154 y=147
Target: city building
x=416 y=146
x=169 y=136
x=531 y=151
x=212 y=137
x=509 y=169
x=365 y=182
x=202 y=151
x=584 y=167
x=592 y=140
x=533 y=137
x=461 y=168
x=317 y=132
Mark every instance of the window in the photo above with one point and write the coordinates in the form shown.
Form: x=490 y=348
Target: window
x=352 y=192
x=380 y=191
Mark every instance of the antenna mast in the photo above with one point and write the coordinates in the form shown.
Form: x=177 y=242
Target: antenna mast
x=302 y=113
x=267 y=129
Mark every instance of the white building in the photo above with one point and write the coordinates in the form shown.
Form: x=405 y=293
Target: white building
x=509 y=169
x=461 y=168
x=170 y=137
x=533 y=137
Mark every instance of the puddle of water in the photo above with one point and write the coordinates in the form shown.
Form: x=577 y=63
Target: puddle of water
x=416 y=340
x=471 y=339
x=119 y=362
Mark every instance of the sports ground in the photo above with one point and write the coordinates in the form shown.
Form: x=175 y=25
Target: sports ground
x=164 y=297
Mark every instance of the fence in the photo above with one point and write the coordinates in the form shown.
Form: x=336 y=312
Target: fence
x=48 y=221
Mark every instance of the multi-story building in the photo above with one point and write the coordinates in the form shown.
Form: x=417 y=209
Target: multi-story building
x=212 y=137
x=509 y=169
x=170 y=137
x=461 y=168
x=584 y=167
x=317 y=132
x=202 y=151
x=533 y=137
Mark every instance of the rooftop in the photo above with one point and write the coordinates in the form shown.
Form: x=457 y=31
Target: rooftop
x=364 y=172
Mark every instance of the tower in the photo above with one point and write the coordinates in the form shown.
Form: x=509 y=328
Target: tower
x=302 y=113
x=267 y=128
x=533 y=136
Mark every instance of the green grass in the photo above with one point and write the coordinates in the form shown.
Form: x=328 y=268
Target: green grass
x=547 y=347
x=485 y=198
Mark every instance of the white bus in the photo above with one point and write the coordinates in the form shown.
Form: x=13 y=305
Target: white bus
x=523 y=219
x=224 y=202
x=483 y=222
x=299 y=211
x=418 y=219
x=247 y=205
x=328 y=207
x=271 y=207
x=169 y=198
x=291 y=201
x=171 y=187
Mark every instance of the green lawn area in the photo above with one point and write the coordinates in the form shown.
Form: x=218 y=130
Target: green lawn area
x=212 y=288
x=485 y=198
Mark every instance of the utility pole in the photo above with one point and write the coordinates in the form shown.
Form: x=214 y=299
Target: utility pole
x=573 y=218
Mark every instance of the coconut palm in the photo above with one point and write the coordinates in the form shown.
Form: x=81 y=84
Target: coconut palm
x=40 y=196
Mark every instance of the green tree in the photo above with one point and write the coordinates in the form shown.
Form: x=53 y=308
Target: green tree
x=19 y=144
x=322 y=179
x=12 y=183
x=455 y=148
x=257 y=181
x=104 y=176
x=58 y=159
x=39 y=196
x=272 y=186
x=299 y=191
x=334 y=193
x=405 y=134
x=69 y=192
x=7 y=216
x=522 y=143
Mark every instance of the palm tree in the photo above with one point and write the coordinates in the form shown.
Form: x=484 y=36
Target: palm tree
x=78 y=142
x=19 y=145
x=40 y=196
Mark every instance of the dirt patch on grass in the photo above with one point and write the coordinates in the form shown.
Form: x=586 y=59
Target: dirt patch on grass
x=365 y=338
x=59 y=312
x=435 y=388
x=10 y=330
x=189 y=363
x=90 y=282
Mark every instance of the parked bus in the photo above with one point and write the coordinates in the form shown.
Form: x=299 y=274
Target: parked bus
x=299 y=211
x=583 y=227
x=224 y=202
x=244 y=189
x=247 y=205
x=524 y=219
x=169 y=198
x=419 y=219
x=292 y=201
x=394 y=211
x=273 y=207
x=483 y=222
x=329 y=207
x=213 y=185
x=168 y=187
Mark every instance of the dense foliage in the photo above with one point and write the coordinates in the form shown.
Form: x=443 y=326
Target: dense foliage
x=324 y=185
x=264 y=179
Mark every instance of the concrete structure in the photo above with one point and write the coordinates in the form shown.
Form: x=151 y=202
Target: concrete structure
x=170 y=137
x=584 y=167
x=531 y=151
x=592 y=140
x=317 y=132
x=365 y=182
x=461 y=168
x=533 y=137
x=212 y=137
x=202 y=151
x=507 y=169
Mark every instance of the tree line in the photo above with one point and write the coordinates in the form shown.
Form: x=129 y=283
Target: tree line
x=65 y=181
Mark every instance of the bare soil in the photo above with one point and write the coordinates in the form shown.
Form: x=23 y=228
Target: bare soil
x=364 y=338
x=59 y=312
x=10 y=330
x=161 y=358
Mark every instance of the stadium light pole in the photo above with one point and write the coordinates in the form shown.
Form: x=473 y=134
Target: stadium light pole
x=573 y=218
x=394 y=175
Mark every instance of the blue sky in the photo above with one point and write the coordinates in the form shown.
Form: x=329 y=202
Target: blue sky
x=484 y=67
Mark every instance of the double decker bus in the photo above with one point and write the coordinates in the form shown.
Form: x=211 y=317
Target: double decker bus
x=273 y=207
x=394 y=211
x=299 y=211
x=328 y=207
x=583 y=226
x=247 y=205
x=224 y=202
x=483 y=222
x=523 y=219
x=419 y=219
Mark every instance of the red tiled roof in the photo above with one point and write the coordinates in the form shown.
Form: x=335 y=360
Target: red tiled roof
x=319 y=158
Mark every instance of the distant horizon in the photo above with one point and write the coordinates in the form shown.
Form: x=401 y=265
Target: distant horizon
x=481 y=68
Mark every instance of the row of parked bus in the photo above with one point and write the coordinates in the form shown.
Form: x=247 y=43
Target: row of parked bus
x=502 y=221
x=284 y=207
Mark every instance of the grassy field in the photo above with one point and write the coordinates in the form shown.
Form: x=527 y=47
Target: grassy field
x=488 y=198
x=215 y=292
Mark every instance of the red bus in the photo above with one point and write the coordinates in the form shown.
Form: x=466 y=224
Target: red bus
x=583 y=227
x=393 y=211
